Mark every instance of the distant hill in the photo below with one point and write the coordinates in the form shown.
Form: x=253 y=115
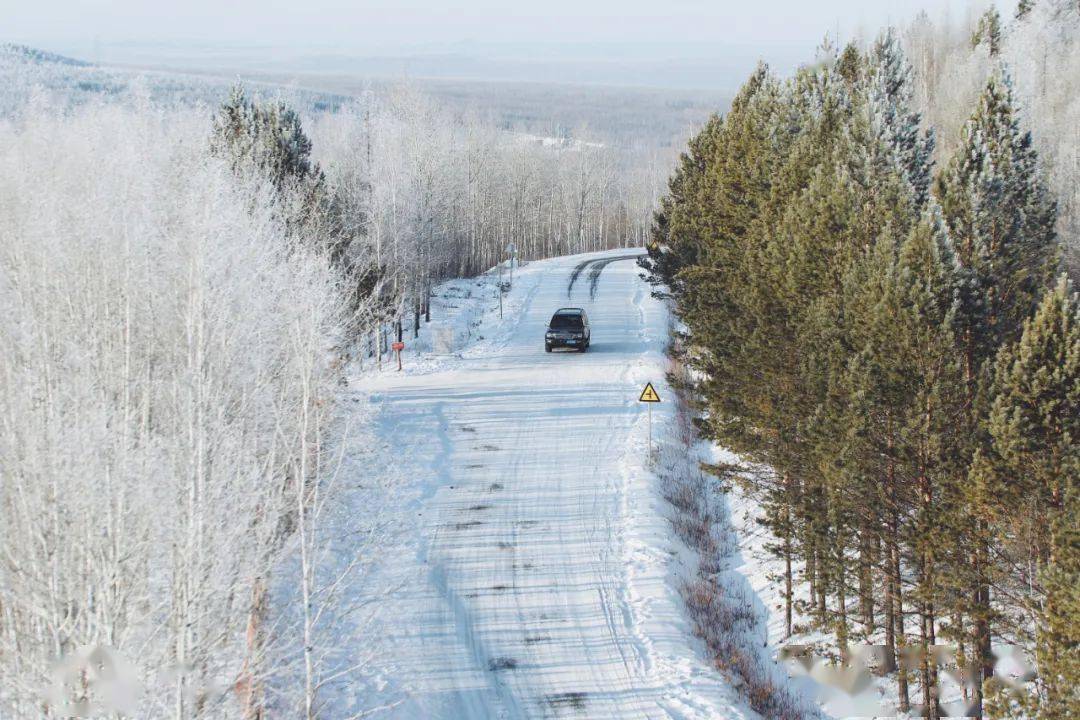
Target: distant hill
x=66 y=82
x=33 y=55
x=629 y=116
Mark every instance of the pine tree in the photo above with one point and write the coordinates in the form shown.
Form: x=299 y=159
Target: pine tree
x=845 y=320
x=988 y=32
x=1035 y=418
x=737 y=183
x=729 y=305
x=904 y=396
x=267 y=140
x=714 y=192
x=1033 y=468
x=924 y=356
x=264 y=136
x=675 y=242
x=849 y=65
x=894 y=122
x=1059 y=641
x=855 y=198
x=1001 y=220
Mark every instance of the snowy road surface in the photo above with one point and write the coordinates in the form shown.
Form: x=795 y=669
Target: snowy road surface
x=537 y=581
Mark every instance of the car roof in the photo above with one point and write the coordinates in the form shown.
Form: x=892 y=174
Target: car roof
x=570 y=311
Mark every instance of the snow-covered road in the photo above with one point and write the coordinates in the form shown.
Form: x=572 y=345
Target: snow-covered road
x=538 y=579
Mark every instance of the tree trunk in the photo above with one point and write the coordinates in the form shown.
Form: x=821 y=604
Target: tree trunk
x=889 y=609
x=866 y=578
x=898 y=619
x=788 y=595
x=841 y=604
x=981 y=641
x=789 y=500
x=249 y=687
x=928 y=690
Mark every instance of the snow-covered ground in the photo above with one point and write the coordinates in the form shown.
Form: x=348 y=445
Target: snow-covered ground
x=851 y=692
x=839 y=693
x=534 y=572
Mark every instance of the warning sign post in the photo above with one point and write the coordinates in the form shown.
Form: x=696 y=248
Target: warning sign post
x=398 y=347
x=649 y=396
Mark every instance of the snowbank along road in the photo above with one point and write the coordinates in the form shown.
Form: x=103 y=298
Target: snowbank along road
x=537 y=579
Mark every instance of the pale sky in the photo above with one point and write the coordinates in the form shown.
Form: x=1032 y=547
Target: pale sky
x=659 y=43
x=393 y=24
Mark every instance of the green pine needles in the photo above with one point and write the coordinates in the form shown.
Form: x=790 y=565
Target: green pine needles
x=892 y=342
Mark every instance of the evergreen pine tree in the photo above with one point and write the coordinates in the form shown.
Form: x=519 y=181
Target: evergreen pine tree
x=1059 y=641
x=988 y=32
x=894 y=122
x=1034 y=466
x=265 y=136
x=675 y=241
x=1001 y=220
x=737 y=184
x=266 y=139
x=849 y=65
x=730 y=305
x=845 y=320
x=903 y=385
x=924 y=356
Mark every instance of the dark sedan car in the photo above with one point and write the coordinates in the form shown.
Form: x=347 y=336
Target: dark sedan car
x=569 y=327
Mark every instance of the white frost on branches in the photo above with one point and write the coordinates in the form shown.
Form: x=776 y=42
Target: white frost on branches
x=165 y=387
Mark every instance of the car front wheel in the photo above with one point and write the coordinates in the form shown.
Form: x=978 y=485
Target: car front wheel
x=547 y=348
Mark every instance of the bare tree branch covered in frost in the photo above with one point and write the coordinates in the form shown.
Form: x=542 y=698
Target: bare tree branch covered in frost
x=167 y=386
x=441 y=195
x=181 y=289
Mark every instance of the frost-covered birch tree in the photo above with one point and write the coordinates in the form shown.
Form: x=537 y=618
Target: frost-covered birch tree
x=153 y=424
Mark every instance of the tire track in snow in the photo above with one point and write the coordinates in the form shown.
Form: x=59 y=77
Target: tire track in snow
x=595 y=267
x=546 y=596
x=578 y=269
x=598 y=267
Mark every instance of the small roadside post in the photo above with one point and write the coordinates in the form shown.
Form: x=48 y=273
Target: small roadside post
x=649 y=396
x=398 y=347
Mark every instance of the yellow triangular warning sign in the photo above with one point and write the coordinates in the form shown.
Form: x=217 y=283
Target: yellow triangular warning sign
x=649 y=394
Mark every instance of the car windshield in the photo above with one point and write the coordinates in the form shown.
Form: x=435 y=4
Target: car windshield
x=566 y=322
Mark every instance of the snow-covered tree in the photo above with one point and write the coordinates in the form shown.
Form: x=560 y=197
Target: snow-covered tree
x=167 y=375
x=266 y=136
x=1001 y=218
x=893 y=118
x=1041 y=47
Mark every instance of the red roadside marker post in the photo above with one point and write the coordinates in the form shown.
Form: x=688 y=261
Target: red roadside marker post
x=649 y=396
x=398 y=347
